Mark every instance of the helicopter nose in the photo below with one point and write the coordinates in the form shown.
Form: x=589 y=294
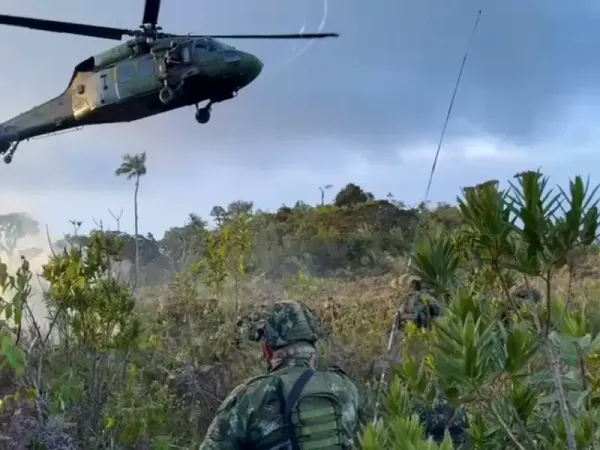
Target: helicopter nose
x=252 y=66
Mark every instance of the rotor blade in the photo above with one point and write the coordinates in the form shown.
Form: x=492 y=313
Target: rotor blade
x=64 y=27
x=274 y=36
x=151 y=11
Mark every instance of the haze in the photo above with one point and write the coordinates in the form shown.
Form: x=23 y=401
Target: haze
x=365 y=108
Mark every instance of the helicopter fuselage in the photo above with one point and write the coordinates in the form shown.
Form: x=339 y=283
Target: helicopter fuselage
x=135 y=80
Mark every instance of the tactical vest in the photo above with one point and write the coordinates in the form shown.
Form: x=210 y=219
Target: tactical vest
x=311 y=414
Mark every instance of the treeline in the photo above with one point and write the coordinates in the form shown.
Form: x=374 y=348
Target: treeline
x=354 y=234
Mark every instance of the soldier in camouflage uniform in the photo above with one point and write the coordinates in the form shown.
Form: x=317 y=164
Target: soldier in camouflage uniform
x=442 y=416
x=422 y=309
x=418 y=306
x=293 y=406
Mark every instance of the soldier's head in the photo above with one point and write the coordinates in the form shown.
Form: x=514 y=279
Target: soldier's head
x=414 y=283
x=22 y=257
x=288 y=329
x=524 y=293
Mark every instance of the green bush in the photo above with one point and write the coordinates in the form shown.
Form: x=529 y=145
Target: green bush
x=525 y=372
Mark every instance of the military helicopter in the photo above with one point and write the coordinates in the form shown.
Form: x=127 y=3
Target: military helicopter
x=152 y=73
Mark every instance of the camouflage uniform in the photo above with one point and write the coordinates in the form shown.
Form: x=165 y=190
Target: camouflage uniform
x=254 y=411
x=442 y=416
x=418 y=307
x=24 y=269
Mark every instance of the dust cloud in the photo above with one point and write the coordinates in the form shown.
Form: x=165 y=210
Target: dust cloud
x=37 y=250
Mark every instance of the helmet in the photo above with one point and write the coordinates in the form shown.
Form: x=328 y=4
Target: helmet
x=286 y=323
x=413 y=279
x=413 y=282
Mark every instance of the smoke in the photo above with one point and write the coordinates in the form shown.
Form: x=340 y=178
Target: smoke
x=37 y=251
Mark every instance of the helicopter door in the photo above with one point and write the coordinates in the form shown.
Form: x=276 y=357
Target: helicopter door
x=137 y=77
x=105 y=89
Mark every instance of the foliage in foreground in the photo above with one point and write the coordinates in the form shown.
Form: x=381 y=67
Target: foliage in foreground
x=150 y=373
x=526 y=372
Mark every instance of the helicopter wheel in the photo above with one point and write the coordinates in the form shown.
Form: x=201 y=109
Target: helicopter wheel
x=8 y=158
x=166 y=95
x=203 y=115
x=4 y=147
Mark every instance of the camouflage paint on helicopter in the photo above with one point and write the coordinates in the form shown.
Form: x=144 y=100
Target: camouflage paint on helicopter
x=150 y=74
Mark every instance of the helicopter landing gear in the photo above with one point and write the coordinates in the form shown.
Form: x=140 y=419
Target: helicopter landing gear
x=166 y=95
x=203 y=114
x=4 y=147
x=8 y=157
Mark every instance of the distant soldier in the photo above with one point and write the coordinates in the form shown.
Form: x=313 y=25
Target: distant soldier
x=294 y=406
x=442 y=416
x=524 y=293
x=24 y=269
x=418 y=306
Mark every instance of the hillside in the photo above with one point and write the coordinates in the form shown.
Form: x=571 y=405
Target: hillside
x=147 y=368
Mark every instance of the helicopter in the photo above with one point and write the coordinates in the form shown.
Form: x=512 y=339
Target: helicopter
x=151 y=73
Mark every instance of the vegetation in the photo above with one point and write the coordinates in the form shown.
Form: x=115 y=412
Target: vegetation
x=113 y=368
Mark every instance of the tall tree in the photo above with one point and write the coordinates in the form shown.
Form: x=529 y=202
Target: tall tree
x=134 y=167
x=323 y=189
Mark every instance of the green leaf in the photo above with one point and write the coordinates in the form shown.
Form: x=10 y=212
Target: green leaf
x=12 y=355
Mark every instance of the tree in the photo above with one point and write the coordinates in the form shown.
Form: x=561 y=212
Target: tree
x=13 y=227
x=323 y=189
x=218 y=213
x=185 y=245
x=351 y=194
x=239 y=207
x=134 y=167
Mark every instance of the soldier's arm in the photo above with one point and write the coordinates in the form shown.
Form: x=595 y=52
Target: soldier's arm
x=366 y=411
x=227 y=430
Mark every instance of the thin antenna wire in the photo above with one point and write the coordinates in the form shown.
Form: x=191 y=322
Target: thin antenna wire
x=426 y=196
x=451 y=106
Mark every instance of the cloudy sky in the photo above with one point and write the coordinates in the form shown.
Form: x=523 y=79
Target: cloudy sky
x=365 y=108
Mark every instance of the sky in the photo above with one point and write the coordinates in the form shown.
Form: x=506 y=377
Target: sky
x=366 y=108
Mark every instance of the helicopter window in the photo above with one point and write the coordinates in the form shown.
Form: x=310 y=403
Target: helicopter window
x=146 y=67
x=185 y=54
x=81 y=89
x=205 y=45
x=126 y=72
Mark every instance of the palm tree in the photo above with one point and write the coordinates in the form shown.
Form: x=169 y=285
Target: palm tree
x=134 y=166
x=323 y=189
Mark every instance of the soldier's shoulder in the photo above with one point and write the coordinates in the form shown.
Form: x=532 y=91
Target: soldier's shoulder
x=246 y=389
x=426 y=297
x=338 y=370
x=343 y=377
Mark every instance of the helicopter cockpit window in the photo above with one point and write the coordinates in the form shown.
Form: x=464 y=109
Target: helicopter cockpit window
x=204 y=44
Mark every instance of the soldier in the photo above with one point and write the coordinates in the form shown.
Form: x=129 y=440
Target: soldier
x=422 y=309
x=525 y=293
x=294 y=402
x=418 y=306
x=24 y=269
x=442 y=416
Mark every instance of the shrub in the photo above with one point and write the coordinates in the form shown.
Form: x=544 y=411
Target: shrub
x=524 y=371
